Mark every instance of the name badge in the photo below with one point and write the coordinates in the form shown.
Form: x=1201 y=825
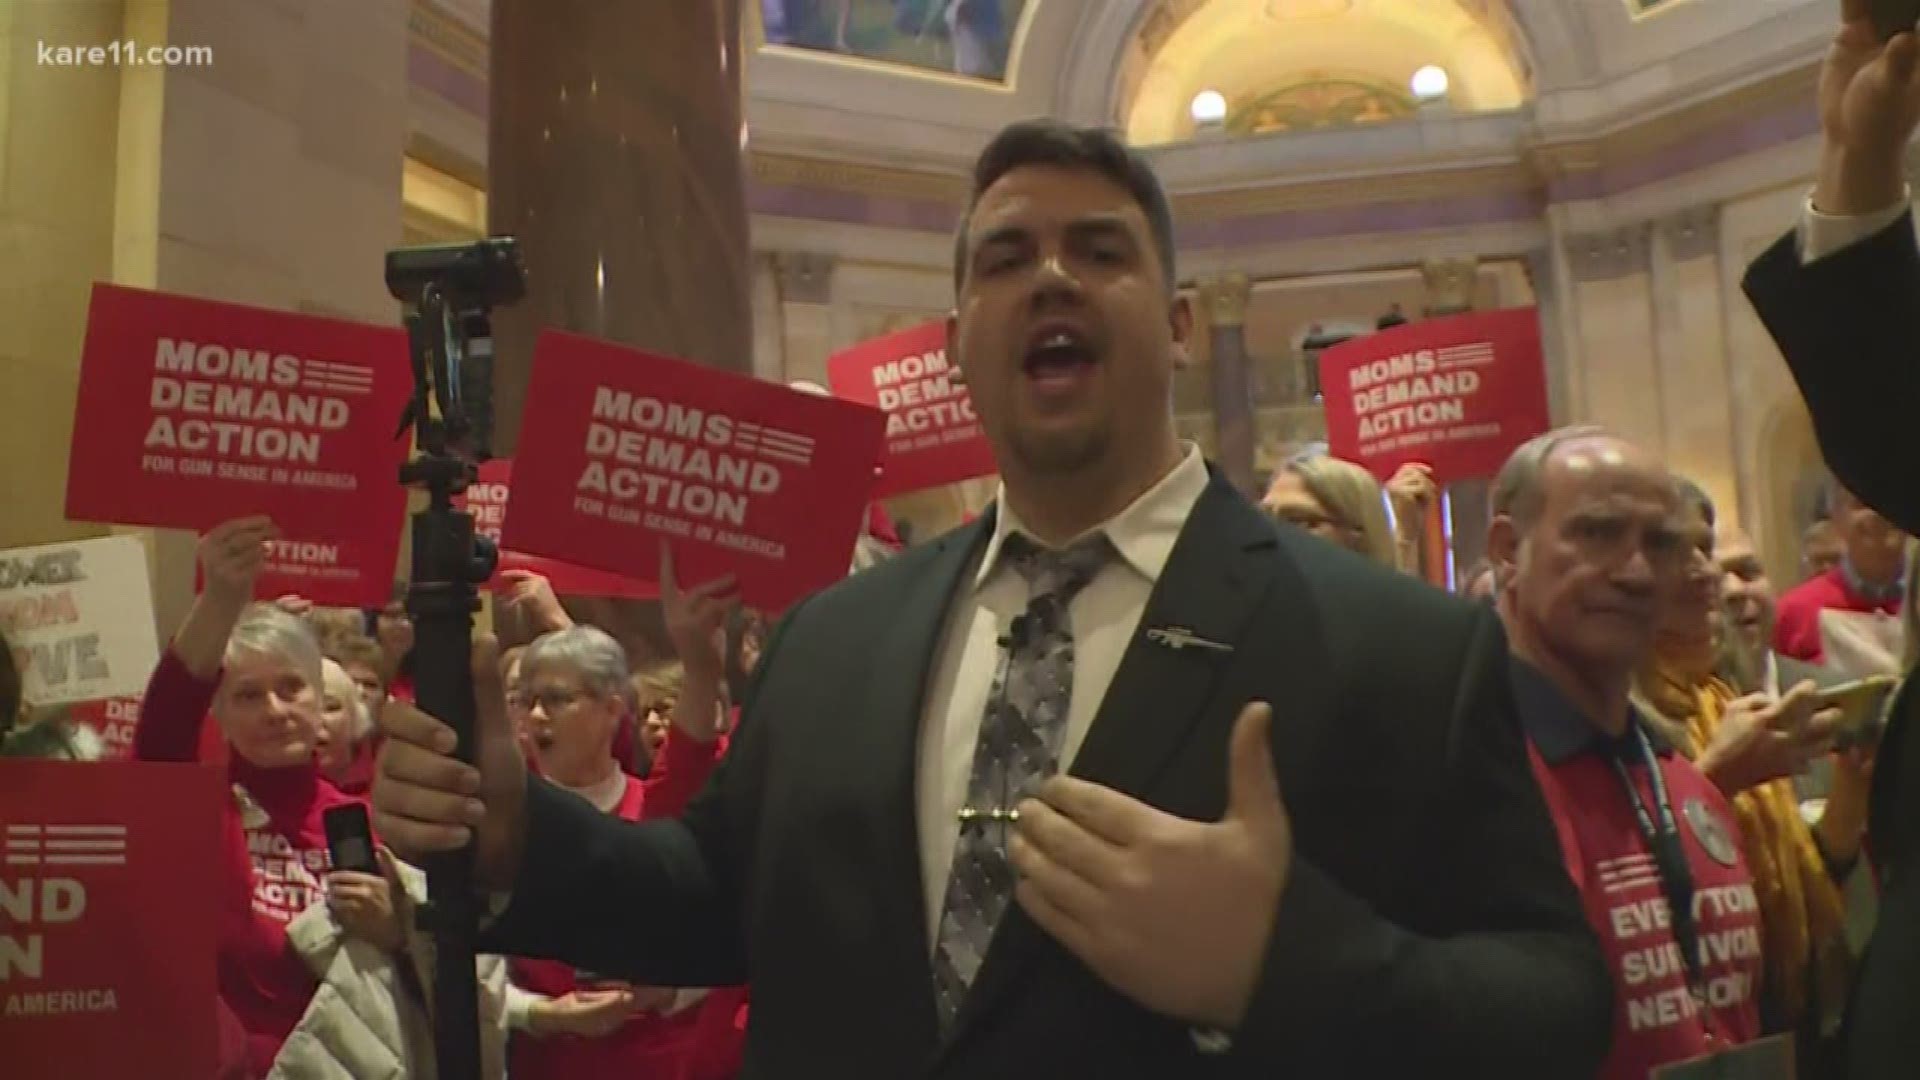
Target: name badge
x=1762 y=1059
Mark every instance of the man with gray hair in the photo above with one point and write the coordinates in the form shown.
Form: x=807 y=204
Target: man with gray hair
x=1587 y=545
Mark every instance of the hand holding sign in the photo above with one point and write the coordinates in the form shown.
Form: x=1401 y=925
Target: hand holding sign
x=696 y=619
x=531 y=597
x=232 y=556
x=1174 y=914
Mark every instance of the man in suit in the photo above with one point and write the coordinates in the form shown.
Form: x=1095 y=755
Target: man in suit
x=1366 y=884
x=1838 y=294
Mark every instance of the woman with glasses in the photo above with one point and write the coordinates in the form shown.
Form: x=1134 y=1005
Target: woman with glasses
x=574 y=693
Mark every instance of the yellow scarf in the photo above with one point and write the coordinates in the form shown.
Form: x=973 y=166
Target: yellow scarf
x=1801 y=909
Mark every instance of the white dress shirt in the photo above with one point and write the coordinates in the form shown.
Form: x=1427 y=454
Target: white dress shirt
x=1821 y=235
x=1104 y=615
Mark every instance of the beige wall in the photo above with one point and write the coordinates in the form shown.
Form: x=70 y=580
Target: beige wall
x=270 y=176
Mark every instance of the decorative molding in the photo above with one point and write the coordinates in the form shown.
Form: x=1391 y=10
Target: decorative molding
x=450 y=37
x=1451 y=284
x=1615 y=253
x=1693 y=233
x=791 y=170
x=1225 y=299
x=804 y=277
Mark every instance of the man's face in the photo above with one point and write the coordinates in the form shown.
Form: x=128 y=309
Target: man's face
x=1820 y=549
x=1693 y=617
x=1744 y=587
x=1065 y=328
x=1592 y=575
x=1877 y=550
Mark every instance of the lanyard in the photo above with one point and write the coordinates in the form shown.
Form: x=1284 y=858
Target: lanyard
x=1669 y=857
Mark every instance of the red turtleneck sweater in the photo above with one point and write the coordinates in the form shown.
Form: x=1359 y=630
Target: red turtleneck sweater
x=276 y=859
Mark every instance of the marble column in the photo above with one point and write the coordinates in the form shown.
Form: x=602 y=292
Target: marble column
x=615 y=152
x=804 y=283
x=1451 y=285
x=1613 y=307
x=1691 y=335
x=1223 y=301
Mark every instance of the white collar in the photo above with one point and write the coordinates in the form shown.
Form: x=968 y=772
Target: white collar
x=1144 y=533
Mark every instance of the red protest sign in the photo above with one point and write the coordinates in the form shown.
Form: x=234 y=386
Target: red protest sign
x=332 y=573
x=486 y=499
x=933 y=436
x=113 y=719
x=620 y=449
x=1458 y=394
x=192 y=412
x=106 y=937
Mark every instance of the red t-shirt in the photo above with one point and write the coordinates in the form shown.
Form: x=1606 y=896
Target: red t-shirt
x=1796 y=630
x=648 y=1047
x=1657 y=1019
x=275 y=859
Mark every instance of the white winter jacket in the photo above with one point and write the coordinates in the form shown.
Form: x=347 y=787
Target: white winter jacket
x=370 y=1020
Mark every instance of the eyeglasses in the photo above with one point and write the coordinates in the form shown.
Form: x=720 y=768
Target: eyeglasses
x=552 y=702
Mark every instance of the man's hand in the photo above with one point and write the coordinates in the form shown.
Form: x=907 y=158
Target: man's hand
x=531 y=597
x=426 y=800
x=590 y=1014
x=364 y=905
x=1869 y=105
x=231 y=558
x=1175 y=914
x=1760 y=740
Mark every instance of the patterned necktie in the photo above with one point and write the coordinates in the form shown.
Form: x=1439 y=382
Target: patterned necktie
x=1018 y=748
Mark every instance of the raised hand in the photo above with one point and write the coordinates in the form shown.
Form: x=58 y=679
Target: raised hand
x=1869 y=105
x=696 y=619
x=232 y=556
x=531 y=596
x=1175 y=914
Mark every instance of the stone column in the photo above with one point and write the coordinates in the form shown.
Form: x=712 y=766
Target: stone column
x=1694 y=367
x=1451 y=285
x=804 y=284
x=1224 y=302
x=1612 y=298
x=615 y=156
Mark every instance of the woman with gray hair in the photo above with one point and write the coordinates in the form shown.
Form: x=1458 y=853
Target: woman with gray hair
x=577 y=691
x=256 y=670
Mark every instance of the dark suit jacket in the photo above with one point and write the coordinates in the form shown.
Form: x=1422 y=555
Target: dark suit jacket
x=1846 y=326
x=1428 y=927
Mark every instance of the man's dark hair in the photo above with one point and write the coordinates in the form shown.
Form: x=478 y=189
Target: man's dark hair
x=1067 y=146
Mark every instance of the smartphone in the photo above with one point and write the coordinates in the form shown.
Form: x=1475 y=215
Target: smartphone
x=1890 y=17
x=350 y=839
x=1862 y=704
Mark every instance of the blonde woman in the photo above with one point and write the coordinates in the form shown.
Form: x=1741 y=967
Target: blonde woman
x=1335 y=500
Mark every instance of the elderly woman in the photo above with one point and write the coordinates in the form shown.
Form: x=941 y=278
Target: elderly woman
x=1335 y=500
x=574 y=686
x=344 y=745
x=256 y=668
x=1751 y=747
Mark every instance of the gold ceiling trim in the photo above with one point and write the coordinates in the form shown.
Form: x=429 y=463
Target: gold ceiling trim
x=450 y=38
x=1411 y=181
x=793 y=170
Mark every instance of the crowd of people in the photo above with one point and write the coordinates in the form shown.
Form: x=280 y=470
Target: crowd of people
x=1133 y=776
